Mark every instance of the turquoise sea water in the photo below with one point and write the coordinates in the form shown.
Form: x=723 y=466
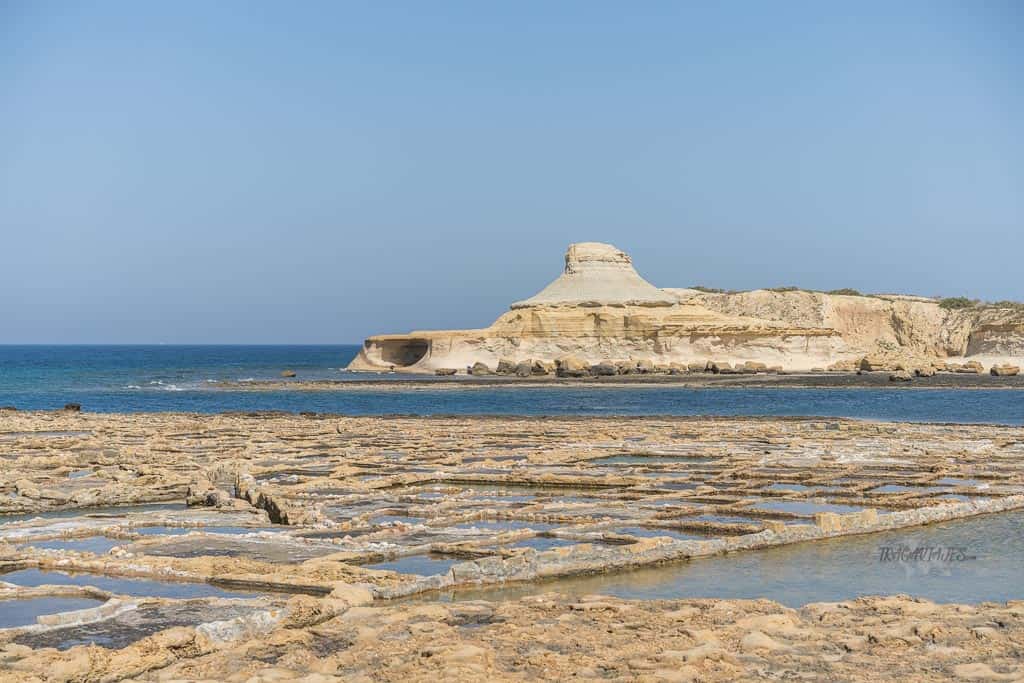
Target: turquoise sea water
x=180 y=378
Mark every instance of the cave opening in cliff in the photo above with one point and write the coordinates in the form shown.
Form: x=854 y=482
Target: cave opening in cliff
x=403 y=352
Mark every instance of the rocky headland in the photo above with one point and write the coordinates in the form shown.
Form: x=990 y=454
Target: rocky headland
x=601 y=318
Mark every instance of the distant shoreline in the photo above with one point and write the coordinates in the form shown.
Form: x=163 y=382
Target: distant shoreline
x=873 y=380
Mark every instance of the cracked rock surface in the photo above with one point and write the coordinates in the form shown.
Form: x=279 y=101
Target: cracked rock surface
x=552 y=637
x=300 y=530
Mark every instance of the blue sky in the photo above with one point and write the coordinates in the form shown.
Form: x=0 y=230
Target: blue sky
x=317 y=172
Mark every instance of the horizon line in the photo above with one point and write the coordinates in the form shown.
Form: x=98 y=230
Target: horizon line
x=3 y=344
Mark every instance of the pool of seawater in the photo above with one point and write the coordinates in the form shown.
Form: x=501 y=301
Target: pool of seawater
x=108 y=511
x=953 y=481
x=798 y=487
x=421 y=565
x=656 y=532
x=506 y=491
x=182 y=530
x=652 y=460
x=503 y=525
x=131 y=625
x=542 y=543
x=24 y=612
x=803 y=507
x=722 y=519
x=991 y=568
x=143 y=588
x=100 y=545
x=900 y=488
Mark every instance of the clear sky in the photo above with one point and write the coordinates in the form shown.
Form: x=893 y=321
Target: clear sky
x=275 y=172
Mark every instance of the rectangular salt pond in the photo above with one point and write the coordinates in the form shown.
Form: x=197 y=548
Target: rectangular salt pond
x=263 y=550
x=14 y=613
x=791 y=486
x=952 y=481
x=351 y=533
x=143 y=588
x=421 y=565
x=722 y=519
x=535 y=490
x=109 y=511
x=679 y=485
x=130 y=626
x=182 y=530
x=497 y=498
x=801 y=507
x=828 y=570
x=99 y=545
x=669 y=503
x=542 y=543
x=502 y=525
x=654 y=532
x=496 y=458
x=345 y=512
x=652 y=460
x=900 y=488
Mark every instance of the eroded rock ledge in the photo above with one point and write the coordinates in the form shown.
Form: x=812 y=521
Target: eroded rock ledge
x=554 y=637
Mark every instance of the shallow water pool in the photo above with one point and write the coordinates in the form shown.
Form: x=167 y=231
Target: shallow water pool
x=15 y=613
x=100 y=545
x=143 y=588
x=983 y=560
x=109 y=511
x=421 y=565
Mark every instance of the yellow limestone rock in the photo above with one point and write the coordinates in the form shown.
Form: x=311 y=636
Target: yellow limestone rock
x=601 y=311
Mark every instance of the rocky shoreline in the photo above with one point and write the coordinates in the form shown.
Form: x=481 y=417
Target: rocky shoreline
x=822 y=380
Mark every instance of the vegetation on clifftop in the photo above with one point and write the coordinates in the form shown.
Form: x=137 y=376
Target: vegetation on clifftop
x=845 y=291
x=956 y=303
x=953 y=303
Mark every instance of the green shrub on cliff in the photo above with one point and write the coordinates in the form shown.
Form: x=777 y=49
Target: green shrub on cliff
x=956 y=302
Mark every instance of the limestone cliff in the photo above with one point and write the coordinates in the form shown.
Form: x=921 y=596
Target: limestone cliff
x=600 y=309
x=913 y=327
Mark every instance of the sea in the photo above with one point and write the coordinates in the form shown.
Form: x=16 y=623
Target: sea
x=155 y=378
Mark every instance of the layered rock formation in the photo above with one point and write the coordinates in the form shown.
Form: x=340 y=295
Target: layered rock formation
x=600 y=311
x=907 y=329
